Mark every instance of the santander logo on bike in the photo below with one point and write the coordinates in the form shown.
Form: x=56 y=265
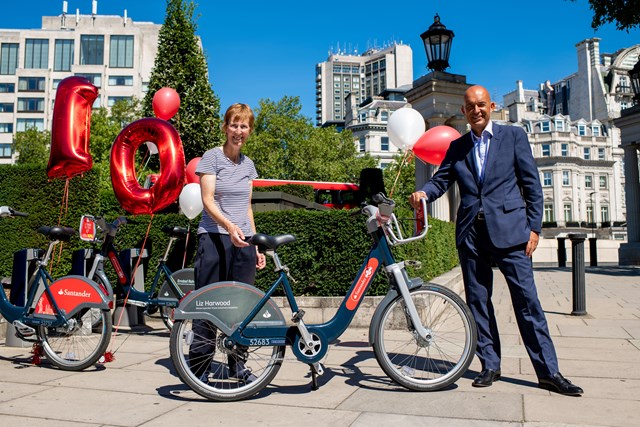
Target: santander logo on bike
x=362 y=284
x=69 y=293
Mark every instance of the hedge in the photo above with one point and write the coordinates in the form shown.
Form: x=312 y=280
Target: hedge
x=328 y=251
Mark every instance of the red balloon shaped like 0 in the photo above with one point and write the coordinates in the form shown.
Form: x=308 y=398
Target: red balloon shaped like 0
x=70 y=128
x=192 y=177
x=134 y=198
x=434 y=143
x=165 y=103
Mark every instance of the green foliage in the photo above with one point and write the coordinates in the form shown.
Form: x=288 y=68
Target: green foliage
x=180 y=64
x=32 y=146
x=286 y=145
x=400 y=179
x=624 y=13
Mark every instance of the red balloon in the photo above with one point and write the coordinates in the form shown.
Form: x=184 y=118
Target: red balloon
x=70 y=128
x=434 y=143
x=166 y=103
x=192 y=177
x=132 y=196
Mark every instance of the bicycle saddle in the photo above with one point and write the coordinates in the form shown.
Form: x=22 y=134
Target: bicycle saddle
x=57 y=233
x=271 y=242
x=174 y=231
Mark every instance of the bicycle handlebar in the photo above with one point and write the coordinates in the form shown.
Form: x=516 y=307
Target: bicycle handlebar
x=383 y=216
x=7 y=211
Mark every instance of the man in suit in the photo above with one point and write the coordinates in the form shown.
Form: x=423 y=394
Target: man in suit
x=499 y=220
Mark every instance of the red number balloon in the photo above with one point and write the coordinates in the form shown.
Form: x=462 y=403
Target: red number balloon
x=71 y=127
x=132 y=196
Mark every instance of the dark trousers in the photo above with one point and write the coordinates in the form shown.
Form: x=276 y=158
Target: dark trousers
x=476 y=256
x=216 y=260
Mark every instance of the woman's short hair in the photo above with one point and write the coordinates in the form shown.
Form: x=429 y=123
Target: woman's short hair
x=238 y=113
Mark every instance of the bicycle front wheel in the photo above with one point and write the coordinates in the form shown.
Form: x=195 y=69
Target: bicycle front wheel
x=440 y=359
x=76 y=345
x=215 y=375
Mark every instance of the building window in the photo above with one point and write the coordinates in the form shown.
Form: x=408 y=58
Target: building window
x=567 y=213
x=564 y=150
x=6 y=127
x=121 y=52
x=7 y=87
x=559 y=125
x=94 y=79
x=545 y=126
x=63 y=55
x=24 y=124
x=92 y=49
x=31 y=84
x=36 y=53
x=566 y=178
x=384 y=143
x=6 y=107
x=362 y=144
x=604 y=213
x=548 y=212
x=595 y=129
x=590 y=218
x=587 y=153
x=546 y=150
x=582 y=130
x=384 y=116
x=601 y=154
x=603 y=181
x=547 y=179
x=9 y=58
x=588 y=181
x=120 y=80
x=31 y=105
x=5 y=151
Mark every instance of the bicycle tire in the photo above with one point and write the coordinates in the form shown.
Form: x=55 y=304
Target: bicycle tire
x=166 y=312
x=426 y=365
x=264 y=363
x=77 y=346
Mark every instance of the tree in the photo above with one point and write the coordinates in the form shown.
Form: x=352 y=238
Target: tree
x=181 y=65
x=400 y=178
x=624 y=13
x=286 y=145
x=32 y=146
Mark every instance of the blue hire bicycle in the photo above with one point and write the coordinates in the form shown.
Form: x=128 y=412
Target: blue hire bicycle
x=423 y=335
x=57 y=314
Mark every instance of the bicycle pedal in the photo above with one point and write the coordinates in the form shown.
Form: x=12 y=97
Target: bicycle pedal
x=317 y=368
x=298 y=316
x=22 y=329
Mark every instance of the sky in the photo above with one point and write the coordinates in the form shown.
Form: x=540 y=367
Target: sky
x=266 y=50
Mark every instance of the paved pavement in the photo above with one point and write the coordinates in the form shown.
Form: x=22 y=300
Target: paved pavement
x=599 y=351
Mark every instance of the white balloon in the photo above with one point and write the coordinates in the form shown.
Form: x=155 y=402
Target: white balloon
x=190 y=200
x=405 y=127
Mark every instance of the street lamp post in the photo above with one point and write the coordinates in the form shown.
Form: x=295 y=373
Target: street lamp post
x=593 y=215
x=634 y=75
x=437 y=44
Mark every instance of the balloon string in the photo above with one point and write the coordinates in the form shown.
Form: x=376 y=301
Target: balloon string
x=405 y=157
x=146 y=157
x=64 y=207
x=131 y=282
x=186 y=244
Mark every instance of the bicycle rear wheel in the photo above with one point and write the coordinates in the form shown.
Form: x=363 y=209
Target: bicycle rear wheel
x=216 y=382
x=435 y=363
x=76 y=345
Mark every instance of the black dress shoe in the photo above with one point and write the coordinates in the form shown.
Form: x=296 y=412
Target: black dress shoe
x=486 y=378
x=560 y=384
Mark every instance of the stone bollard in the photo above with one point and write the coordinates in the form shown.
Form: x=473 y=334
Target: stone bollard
x=593 y=252
x=562 y=252
x=577 y=253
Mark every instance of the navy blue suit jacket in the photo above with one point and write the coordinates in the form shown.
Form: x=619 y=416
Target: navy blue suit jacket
x=510 y=195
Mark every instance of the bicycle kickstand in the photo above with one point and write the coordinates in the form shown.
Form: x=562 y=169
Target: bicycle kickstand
x=316 y=369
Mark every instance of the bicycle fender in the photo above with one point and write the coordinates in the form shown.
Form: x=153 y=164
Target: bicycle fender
x=227 y=304
x=105 y=286
x=184 y=280
x=375 y=319
x=72 y=294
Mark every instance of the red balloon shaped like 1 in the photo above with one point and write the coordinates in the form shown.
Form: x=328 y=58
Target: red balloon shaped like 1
x=132 y=196
x=166 y=103
x=434 y=143
x=192 y=177
x=70 y=128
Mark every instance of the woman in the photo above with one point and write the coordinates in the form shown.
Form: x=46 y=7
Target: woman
x=227 y=223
